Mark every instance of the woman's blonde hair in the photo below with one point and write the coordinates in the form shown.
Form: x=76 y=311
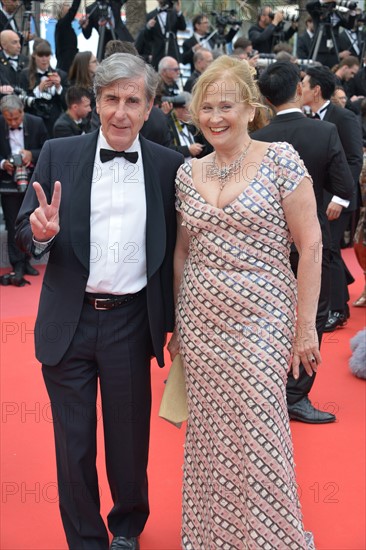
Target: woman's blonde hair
x=225 y=68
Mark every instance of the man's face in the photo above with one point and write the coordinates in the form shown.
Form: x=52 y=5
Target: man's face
x=182 y=113
x=350 y=72
x=204 y=62
x=123 y=109
x=171 y=73
x=83 y=108
x=308 y=97
x=10 y=5
x=13 y=118
x=203 y=27
x=266 y=19
x=11 y=44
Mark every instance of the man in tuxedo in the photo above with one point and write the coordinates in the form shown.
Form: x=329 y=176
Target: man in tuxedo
x=318 y=87
x=200 y=39
x=24 y=135
x=107 y=16
x=161 y=29
x=12 y=62
x=8 y=9
x=169 y=73
x=320 y=148
x=108 y=292
x=74 y=121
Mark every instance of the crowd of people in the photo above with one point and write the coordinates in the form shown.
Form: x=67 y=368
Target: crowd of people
x=246 y=179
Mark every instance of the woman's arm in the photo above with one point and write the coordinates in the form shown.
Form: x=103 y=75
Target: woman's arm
x=180 y=256
x=301 y=216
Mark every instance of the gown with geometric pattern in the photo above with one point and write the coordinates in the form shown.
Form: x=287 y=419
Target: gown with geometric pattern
x=236 y=314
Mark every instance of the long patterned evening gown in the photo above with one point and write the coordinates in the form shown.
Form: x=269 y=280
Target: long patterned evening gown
x=236 y=319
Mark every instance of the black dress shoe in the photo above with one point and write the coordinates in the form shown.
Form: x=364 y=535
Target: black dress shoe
x=336 y=319
x=30 y=270
x=303 y=411
x=121 y=543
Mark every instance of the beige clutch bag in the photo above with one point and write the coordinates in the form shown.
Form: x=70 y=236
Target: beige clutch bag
x=173 y=406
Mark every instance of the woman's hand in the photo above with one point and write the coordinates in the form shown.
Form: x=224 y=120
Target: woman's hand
x=173 y=346
x=306 y=351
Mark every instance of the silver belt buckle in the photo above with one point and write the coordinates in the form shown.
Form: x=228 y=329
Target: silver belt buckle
x=100 y=300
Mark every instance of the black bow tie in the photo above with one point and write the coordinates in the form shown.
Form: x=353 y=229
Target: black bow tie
x=316 y=116
x=110 y=154
x=14 y=129
x=162 y=9
x=13 y=58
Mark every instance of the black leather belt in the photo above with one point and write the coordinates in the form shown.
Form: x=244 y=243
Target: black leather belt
x=110 y=301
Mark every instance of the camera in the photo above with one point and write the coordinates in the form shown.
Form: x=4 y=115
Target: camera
x=290 y=13
x=20 y=173
x=349 y=4
x=226 y=17
x=169 y=4
x=16 y=159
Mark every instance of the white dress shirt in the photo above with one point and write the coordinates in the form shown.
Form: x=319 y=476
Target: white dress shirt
x=117 y=224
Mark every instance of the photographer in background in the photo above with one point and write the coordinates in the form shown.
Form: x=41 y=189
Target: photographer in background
x=105 y=13
x=45 y=86
x=161 y=29
x=325 y=13
x=183 y=134
x=269 y=30
x=66 y=42
x=21 y=139
x=200 y=38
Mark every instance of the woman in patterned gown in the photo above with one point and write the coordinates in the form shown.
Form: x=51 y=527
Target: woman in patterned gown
x=237 y=328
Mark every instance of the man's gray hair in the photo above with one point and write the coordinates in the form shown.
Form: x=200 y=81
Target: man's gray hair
x=125 y=65
x=11 y=103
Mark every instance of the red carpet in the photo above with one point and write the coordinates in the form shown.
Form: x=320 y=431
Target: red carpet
x=330 y=459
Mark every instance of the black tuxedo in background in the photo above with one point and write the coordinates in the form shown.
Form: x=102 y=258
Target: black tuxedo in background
x=320 y=148
x=187 y=55
x=35 y=134
x=5 y=24
x=114 y=346
x=9 y=75
x=65 y=126
x=160 y=44
x=120 y=29
x=354 y=45
x=66 y=43
x=304 y=46
x=350 y=133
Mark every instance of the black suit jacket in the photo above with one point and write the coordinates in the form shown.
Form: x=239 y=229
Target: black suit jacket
x=8 y=75
x=35 y=134
x=344 y=43
x=350 y=134
x=5 y=23
x=68 y=266
x=187 y=55
x=263 y=40
x=319 y=147
x=65 y=126
x=120 y=29
x=304 y=46
x=157 y=40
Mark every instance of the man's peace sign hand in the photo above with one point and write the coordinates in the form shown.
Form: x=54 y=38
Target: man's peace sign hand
x=45 y=220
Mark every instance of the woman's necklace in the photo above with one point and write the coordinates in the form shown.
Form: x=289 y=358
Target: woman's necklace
x=223 y=174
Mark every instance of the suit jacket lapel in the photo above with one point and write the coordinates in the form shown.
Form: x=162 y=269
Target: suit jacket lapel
x=155 y=222
x=80 y=199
